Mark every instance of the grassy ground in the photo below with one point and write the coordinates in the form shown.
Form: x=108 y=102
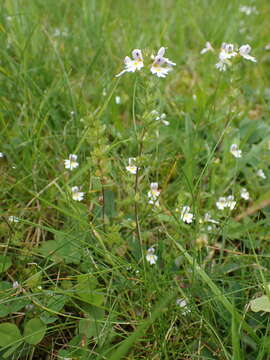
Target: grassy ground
x=75 y=280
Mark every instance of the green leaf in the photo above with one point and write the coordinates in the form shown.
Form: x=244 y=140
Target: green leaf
x=262 y=303
x=9 y=334
x=34 y=331
x=5 y=263
x=86 y=290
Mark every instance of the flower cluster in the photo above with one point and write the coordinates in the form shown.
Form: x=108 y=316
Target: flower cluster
x=70 y=164
x=228 y=51
x=160 y=67
x=226 y=202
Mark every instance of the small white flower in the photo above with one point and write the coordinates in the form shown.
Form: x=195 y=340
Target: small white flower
x=221 y=203
x=150 y=256
x=267 y=47
x=161 y=117
x=244 y=52
x=182 y=303
x=208 y=47
x=161 y=65
x=153 y=194
x=230 y=202
x=117 y=100
x=261 y=174
x=132 y=65
x=244 y=194
x=1 y=155
x=71 y=163
x=13 y=218
x=76 y=194
x=207 y=218
x=224 y=202
x=15 y=285
x=235 y=151
x=186 y=216
x=226 y=53
x=248 y=10
x=131 y=167
x=72 y=113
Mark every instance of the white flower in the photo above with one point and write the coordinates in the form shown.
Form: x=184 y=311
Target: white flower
x=132 y=65
x=182 y=303
x=244 y=194
x=76 y=194
x=161 y=65
x=224 y=202
x=186 y=216
x=150 y=256
x=161 y=117
x=153 y=194
x=208 y=47
x=13 y=218
x=226 y=53
x=248 y=10
x=1 y=155
x=230 y=202
x=71 y=163
x=244 y=52
x=15 y=285
x=267 y=47
x=221 y=203
x=117 y=100
x=235 y=151
x=131 y=167
x=261 y=174
x=207 y=218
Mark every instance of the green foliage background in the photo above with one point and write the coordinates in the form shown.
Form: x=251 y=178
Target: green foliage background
x=85 y=289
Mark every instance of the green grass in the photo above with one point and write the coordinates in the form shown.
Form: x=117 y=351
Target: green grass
x=85 y=289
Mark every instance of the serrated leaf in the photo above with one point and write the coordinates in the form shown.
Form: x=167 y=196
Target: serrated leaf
x=262 y=303
x=34 y=331
x=9 y=334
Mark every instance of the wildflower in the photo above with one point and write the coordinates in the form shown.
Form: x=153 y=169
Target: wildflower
x=230 y=202
x=153 y=194
x=186 y=216
x=208 y=47
x=15 y=285
x=14 y=219
x=207 y=218
x=244 y=194
x=71 y=163
x=72 y=113
x=248 y=10
x=267 y=47
x=131 y=167
x=161 y=65
x=235 y=151
x=132 y=65
x=182 y=303
x=150 y=256
x=226 y=53
x=261 y=174
x=224 y=202
x=161 y=117
x=117 y=100
x=1 y=155
x=244 y=52
x=76 y=194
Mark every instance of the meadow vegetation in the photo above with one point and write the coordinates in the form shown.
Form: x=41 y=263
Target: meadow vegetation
x=152 y=242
